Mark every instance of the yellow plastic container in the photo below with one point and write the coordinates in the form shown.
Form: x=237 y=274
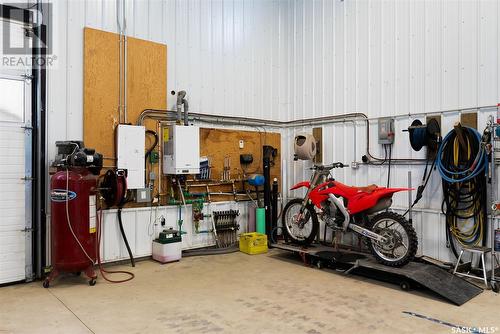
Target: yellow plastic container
x=253 y=243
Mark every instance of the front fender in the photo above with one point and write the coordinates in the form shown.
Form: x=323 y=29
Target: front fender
x=306 y=184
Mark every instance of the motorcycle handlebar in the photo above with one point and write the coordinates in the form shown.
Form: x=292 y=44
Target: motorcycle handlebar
x=328 y=167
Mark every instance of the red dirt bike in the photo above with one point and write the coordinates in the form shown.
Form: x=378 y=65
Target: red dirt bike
x=390 y=237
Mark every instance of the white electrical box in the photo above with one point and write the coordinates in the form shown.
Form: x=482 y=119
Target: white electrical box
x=181 y=150
x=130 y=152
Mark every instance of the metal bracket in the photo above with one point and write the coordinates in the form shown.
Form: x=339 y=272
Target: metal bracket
x=28 y=229
x=28 y=178
x=27 y=76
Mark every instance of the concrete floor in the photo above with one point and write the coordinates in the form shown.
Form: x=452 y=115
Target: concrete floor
x=233 y=293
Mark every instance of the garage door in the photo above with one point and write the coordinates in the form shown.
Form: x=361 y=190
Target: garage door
x=15 y=182
x=15 y=172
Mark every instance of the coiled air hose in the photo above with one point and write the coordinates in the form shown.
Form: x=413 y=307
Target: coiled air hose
x=101 y=269
x=114 y=192
x=463 y=171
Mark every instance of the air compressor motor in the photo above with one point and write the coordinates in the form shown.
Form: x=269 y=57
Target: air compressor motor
x=75 y=154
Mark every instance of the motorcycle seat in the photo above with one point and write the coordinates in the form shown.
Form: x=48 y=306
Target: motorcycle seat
x=368 y=189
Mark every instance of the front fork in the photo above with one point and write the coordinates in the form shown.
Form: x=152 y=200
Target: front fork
x=346 y=223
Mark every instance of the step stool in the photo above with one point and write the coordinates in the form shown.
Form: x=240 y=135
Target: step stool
x=474 y=250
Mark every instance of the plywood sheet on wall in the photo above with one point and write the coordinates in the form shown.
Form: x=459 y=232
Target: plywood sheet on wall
x=146 y=85
x=220 y=143
x=146 y=78
x=101 y=90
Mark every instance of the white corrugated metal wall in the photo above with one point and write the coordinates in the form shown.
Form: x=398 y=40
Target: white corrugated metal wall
x=303 y=58
x=392 y=58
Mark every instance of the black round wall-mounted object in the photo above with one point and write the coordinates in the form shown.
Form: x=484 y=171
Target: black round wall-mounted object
x=109 y=187
x=113 y=188
x=433 y=130
x=424 y=135
x=416 y=130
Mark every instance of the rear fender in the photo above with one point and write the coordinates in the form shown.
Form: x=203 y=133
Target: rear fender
x=366 y=201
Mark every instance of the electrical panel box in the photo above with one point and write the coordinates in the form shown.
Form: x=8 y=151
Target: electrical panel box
x=143 y=195
x=130 y=152
x=386 y=131
x=181 y=149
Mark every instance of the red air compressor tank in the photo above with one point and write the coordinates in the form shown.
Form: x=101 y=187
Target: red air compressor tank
x=75 y=188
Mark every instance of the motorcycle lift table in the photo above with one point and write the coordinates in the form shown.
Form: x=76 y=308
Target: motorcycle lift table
x=413 y=275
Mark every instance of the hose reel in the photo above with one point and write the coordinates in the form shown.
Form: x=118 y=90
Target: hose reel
x=424 y=134
x=113 y=187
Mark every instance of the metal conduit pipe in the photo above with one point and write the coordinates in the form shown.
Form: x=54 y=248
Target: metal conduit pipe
x=245 y=121
x=170 y=115
x=180 y=96
x=438 y=113
x=125 y=63
x=186 y=110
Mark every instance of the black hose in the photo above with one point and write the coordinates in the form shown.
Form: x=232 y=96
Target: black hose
x=148 y=152
x=423 y=185
x=465 y=200
x=210 y=251
x=389 y=166
x=122 y=202
x=132 y=261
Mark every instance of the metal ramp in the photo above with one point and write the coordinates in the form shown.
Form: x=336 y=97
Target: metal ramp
x=413 y=275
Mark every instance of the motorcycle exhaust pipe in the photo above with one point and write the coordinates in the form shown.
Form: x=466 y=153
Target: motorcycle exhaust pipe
x=338 y=203
x=356 y=228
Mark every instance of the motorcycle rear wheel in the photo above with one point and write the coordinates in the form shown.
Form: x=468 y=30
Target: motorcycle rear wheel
x=401 y=236
x=291 y=227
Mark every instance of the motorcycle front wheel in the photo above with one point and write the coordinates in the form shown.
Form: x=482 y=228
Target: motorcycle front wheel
x=299 y=228
x=401 y=239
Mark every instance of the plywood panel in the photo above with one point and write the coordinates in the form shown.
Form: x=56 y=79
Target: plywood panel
x=146 y=77
x=219 y=143
x=101 y=90
x=146 y=85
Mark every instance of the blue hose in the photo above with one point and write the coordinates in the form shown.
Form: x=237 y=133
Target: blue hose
x=480 y=161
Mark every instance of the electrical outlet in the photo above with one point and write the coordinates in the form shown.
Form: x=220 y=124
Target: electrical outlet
x=143 y=195
x=242 y=144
